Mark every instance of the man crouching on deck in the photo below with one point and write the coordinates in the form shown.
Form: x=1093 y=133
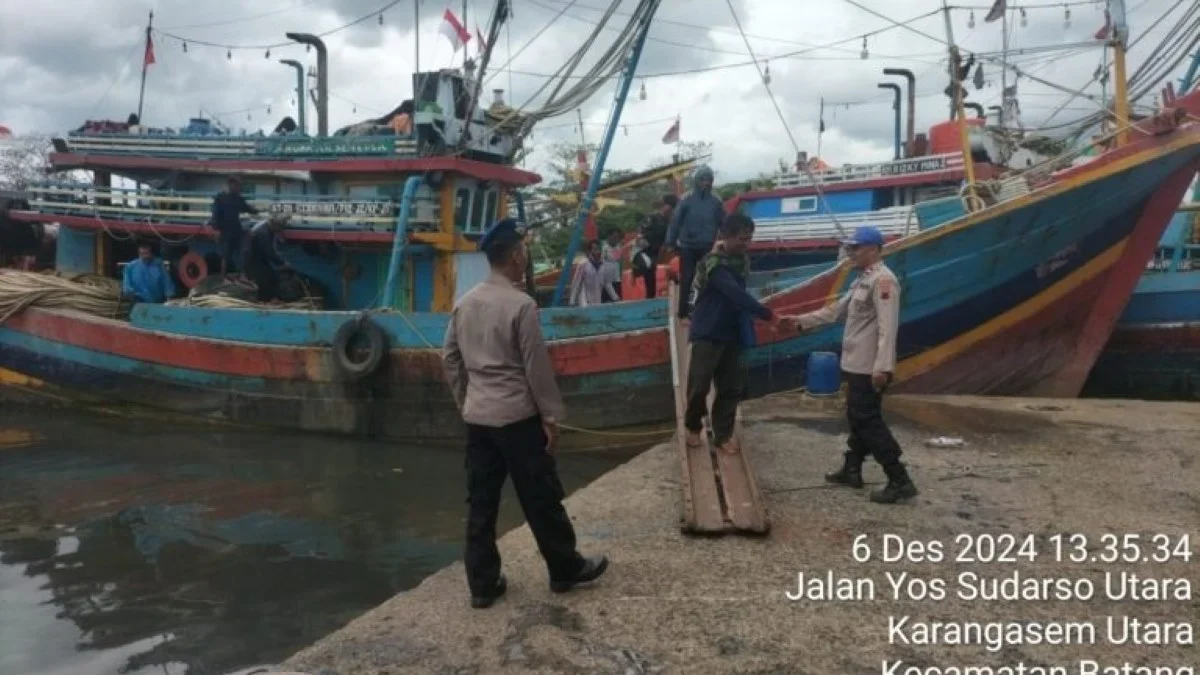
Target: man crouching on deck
x=721 y=328
x=871 y=310
x=500 y=373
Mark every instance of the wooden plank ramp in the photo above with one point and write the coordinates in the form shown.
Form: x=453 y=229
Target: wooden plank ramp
x=720 y=493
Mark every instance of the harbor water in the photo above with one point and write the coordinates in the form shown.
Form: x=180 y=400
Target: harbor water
x=136 y=546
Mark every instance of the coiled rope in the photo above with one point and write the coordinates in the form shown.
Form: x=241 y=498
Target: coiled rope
x=86 y=293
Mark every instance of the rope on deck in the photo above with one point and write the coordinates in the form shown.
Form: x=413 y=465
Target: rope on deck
x=86 y=293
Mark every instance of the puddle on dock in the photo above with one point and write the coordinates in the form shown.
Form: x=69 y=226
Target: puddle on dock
x=136 y=547
x=949 y=417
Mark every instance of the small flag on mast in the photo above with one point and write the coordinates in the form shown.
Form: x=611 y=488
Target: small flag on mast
x=479 y=36
x=454 y=31
x=1105 y=31
x=148 y=57
x=996 y=12
x=672 y=135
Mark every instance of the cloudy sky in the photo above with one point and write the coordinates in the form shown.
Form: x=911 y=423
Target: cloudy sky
x=64 y=61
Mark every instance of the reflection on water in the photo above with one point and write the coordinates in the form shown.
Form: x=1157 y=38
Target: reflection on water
x=129 y=547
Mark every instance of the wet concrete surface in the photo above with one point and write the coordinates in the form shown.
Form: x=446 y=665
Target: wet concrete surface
x=675 y=604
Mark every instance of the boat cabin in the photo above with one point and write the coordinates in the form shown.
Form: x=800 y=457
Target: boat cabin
x=366 y=205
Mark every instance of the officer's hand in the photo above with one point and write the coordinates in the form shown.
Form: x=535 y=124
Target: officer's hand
x=879 y=380
x=551 y=429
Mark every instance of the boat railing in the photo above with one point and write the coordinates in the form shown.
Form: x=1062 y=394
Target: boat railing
x=306 y=212
x=216 y=146
x=892 y=222
x=862 y=172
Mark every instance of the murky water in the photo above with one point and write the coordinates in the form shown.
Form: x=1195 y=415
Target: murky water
x=134 y=547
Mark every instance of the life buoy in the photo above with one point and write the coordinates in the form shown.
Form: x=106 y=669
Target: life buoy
x=358 y=348
x=193 y=268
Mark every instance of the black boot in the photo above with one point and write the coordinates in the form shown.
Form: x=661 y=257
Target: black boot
x=849 y=475
x=490 y=597
x=591 y=570
x=899 y=486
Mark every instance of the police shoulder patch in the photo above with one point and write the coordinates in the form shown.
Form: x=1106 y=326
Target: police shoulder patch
x=884 y=286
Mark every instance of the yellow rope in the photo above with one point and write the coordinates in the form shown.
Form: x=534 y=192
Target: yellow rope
x=85 y=293
x=630 y=434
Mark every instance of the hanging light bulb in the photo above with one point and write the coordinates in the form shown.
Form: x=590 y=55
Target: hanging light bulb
x=307 y=48
x=767 y=73
x=229 y=54
x=354 y=110
x=971 y=20
x=865 y=54
x=247 y=117
x=1024 y=19
x=642 y=92
x=267 y=55
x=1066 y=17
x=185 y=48
x=293 y=103
x=626 y=128
x=381 y=18
x=268 y=108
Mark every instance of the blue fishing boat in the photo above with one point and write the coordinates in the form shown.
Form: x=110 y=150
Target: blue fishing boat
x=1014 y=294
x=1155 y=349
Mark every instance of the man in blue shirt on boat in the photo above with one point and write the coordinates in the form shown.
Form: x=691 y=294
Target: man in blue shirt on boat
x=502 y=379
x=871 y=310
x=693 y=230
x=227 y=210
x=721 y=328
x=147 y=279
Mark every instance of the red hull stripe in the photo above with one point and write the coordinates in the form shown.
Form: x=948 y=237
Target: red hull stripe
x=573 y=357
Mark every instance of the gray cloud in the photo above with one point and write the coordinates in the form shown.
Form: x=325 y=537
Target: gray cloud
x=63 y=62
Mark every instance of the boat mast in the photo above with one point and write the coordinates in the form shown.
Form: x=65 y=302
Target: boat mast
x=963 y=137
x=1120 y=34
x=589 y=197
x=145 y=66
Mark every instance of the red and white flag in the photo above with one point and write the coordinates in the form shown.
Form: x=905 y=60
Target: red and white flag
x=997 y=11
x=479 y=36
x=1105 y=31
x=148 y=57
x=453 y=29
x=672 y=135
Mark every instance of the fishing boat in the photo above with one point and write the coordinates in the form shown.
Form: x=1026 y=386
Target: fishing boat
x=1155 y=349
x=1013 y=296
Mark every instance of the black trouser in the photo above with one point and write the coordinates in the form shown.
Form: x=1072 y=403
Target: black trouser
x=688 y=259
x=266 y=280
x=650 y=276
x=518 y=449
x=719 y=364
x=231 y=250
x=869 y=434
x=605 y=296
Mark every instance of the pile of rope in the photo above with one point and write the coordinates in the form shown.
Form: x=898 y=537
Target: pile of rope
x=86 y=293
x=233 y=293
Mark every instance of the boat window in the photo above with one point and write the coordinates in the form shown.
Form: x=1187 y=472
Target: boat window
x=489 y=209
x=479 y=216
x=462 y=208
x=798 y=205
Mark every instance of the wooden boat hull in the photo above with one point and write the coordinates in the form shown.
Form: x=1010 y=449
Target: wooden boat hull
x=1154 y=351
x=1015 y=299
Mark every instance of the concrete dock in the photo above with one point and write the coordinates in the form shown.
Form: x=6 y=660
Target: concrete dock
x=671 y=603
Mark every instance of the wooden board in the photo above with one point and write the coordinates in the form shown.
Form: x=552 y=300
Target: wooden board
x=743 y=502
x=702 y=512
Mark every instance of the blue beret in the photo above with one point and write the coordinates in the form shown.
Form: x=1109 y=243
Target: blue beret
x=502 y=232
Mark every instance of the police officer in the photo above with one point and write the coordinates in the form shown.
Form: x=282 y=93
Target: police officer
x=500 y=374
x=871 y=310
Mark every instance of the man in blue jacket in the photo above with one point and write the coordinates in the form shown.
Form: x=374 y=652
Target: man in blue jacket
x=146 y=279
x=721 y=328
x=693 y=230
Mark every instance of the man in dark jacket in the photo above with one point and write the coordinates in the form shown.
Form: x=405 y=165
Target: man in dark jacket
x=227 y=210
x=655 y=233
x=263 y=263
x=721 y=328
x=693 y=230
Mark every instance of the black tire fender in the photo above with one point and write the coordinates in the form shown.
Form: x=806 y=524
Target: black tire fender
x=349 y=368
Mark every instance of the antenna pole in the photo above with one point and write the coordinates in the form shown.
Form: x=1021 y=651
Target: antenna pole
x=145 y=66
x=1120 y=33
x=963 y=136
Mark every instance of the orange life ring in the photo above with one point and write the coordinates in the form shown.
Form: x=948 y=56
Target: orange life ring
x=192 y=269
